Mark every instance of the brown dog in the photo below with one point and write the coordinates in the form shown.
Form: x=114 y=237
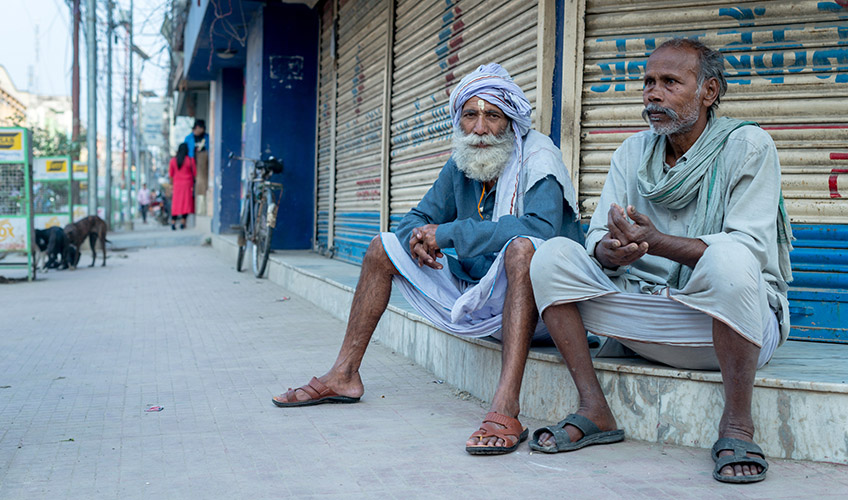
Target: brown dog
x=92 y=227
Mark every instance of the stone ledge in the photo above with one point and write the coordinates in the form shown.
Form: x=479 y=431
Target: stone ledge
x=801 y=392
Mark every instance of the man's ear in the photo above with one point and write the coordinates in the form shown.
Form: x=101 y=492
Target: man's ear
x=710 y=92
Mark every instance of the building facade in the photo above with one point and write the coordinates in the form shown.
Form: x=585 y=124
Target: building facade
x=363 y=85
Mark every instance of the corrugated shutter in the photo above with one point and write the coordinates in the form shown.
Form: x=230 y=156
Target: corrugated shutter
x=361 y=81
x=786 y=65
x=326 y=119
x=818 y=298
x=436 y=43
x=786 y=62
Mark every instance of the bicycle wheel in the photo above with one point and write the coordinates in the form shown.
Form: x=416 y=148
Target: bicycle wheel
x=261 y=237
x=243 y=236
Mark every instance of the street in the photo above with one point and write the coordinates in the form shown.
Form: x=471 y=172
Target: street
x=84 y=353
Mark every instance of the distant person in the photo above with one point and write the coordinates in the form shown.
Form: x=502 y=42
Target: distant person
x=182 y=172
x=143 y=201
x=198 y=139
x=198 y=145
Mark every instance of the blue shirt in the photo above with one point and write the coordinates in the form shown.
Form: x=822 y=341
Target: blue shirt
x=452 y=204
x=189 y=140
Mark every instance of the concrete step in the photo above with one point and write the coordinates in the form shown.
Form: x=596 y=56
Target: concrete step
x=800 y=401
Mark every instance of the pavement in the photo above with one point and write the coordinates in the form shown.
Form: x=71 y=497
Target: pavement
x=84 y=354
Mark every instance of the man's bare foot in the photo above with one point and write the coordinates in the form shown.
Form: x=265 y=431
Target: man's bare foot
x=344 y=386
x=601 y=417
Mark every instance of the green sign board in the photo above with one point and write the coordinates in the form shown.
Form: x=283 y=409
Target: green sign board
x=16 y=211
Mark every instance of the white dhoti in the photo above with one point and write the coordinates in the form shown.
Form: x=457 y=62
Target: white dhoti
x=452 y=304
x=673 y=327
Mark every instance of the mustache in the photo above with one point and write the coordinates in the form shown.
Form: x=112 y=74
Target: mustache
x=656 y=108
x=472 y=139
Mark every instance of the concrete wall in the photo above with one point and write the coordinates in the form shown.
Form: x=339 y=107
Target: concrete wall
x=281 y=100
x=226 y=137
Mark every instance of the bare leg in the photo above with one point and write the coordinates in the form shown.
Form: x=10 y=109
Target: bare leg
x=737 y=359
x=569 y=334
x=369 y=302
x=519 y=322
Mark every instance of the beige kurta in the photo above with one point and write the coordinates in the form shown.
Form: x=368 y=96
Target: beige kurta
x=749 y=228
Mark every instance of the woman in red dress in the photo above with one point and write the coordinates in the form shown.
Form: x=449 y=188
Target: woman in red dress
x=182 y=171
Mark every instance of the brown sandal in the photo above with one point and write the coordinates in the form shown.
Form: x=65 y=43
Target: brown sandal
x=318 y=394
x=488 y=429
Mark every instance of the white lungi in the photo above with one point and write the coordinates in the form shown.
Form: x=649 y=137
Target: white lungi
x=452 y=304
x=673 y=327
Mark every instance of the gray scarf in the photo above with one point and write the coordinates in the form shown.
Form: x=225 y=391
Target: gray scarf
x=704 y=176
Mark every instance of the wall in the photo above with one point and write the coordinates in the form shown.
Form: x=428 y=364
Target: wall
x=226 y=138
x=280 y=102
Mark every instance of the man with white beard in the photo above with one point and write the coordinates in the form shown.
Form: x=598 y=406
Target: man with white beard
x=501 y=194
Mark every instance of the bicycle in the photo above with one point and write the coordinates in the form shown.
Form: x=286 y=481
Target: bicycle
x=258 y=213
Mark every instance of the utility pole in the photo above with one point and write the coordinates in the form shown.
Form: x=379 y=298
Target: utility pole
x=109 y=36
x=75 y=78
x=130 y=125
x=91 y=45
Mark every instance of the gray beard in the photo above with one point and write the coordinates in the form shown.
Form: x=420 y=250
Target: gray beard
x=483 y=164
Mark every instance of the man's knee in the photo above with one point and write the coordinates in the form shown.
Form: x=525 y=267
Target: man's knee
x=518 y=255
x=552 y=255
x=730 y=268
x=376 y=256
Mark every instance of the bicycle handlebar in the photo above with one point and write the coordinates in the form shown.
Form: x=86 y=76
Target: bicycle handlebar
x=272 y=164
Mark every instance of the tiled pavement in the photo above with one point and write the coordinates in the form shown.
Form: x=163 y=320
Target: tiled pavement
x=84 y=353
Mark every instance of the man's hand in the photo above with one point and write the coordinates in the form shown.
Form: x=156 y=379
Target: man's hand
x=423 y=246
x=611 y=253
x=641 y=230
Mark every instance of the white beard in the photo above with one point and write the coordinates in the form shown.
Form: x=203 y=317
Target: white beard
x=483 y=164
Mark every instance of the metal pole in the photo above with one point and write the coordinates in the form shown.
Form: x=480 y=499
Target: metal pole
x=130 y=125
x=75 y=79
x=108 y=194
x=91 y=63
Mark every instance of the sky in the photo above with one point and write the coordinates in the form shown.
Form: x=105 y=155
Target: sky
x=42 y=64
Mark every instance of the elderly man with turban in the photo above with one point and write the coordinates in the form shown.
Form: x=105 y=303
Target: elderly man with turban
x=501 y=194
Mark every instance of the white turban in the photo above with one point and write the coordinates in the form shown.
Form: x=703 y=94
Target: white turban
x=493 y=84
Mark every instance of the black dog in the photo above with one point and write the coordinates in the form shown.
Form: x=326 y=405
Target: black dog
x=53 y=243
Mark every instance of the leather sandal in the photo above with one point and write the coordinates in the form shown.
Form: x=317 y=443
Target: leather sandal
x=488 y=429
x=318 y=394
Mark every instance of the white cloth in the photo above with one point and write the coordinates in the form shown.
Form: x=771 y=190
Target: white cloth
x=752 y=200
x=616 y=307
x=460 y=307
x=144 y=196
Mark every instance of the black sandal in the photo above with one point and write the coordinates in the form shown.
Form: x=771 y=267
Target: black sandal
x=740 y=456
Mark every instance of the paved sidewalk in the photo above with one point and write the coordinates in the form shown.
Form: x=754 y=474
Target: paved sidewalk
x=83 y=353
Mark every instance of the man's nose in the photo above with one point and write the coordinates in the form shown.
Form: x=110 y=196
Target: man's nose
x=480 y=127
x=652 y=94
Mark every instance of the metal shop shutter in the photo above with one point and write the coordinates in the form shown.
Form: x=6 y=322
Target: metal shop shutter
x=361 y=80
x=436 y=43
x=786 y=62
x=326 y=124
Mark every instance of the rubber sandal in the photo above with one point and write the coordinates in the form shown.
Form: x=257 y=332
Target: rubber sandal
x=318 y=394
x=591 y=435
x=488 y=429
x=740 y=456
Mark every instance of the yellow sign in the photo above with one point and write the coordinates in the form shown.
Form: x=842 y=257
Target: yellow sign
x=52 y=222
x=11 y=140
x=6 y=230
x=57 y=166
x=81 y=168
x=13 y=234
x=12 y=145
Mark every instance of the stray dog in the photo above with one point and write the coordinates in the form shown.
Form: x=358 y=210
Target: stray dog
x=92 y=227
x=52 y=244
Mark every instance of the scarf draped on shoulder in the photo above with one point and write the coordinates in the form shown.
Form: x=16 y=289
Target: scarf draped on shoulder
x=704 y=177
